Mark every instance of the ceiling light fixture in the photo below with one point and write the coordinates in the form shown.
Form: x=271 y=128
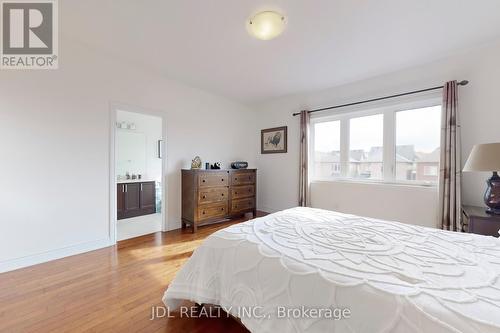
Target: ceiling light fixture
x=266 y=25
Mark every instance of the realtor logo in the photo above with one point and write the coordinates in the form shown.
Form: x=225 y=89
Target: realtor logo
x=29 y=34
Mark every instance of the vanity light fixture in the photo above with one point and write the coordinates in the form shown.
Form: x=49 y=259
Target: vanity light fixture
x=125 y=125
x=266 y=25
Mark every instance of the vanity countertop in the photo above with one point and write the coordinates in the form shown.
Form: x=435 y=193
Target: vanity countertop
x=129 y=181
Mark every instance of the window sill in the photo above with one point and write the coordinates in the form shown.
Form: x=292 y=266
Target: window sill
x=376 y=182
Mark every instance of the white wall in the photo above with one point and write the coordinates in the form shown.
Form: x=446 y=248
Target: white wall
x=55 y=126
x=55 y=133
x=151 y=128
x=411 y=204
x=278 y=181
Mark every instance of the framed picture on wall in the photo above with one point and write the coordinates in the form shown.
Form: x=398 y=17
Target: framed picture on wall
x=160 y=149
x=273 y=140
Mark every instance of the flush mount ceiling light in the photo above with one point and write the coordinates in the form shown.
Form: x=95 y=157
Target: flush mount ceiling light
x=266 y=25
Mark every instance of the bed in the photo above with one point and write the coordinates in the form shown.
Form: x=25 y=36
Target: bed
x=390 y=276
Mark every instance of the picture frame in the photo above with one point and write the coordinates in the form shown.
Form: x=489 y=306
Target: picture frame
x=160 y=149
x=274 y=140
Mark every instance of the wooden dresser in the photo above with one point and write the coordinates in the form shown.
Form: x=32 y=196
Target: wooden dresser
x=210 y=196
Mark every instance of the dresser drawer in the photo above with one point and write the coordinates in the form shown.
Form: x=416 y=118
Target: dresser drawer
x=242 y=204
x=212 y=194
x=214 y=210
x=210 y=179
x=243 y=191
x=242 y=178
x=484 y=226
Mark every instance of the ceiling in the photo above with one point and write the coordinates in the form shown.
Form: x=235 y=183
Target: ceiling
x=326 y=42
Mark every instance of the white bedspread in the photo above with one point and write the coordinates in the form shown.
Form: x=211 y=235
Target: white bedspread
x=392 y=277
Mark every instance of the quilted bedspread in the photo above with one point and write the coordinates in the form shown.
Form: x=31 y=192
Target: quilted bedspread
x=390 y=276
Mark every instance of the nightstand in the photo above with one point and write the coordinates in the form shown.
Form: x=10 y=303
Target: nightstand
x=477 y=221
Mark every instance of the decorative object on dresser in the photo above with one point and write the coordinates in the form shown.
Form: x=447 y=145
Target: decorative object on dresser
x=215 y=166
x=196 y=163
x=135 y=199
x=477 y=221
x=486 y=157
x=239 y=165
x=210 y=196
x=273 y=140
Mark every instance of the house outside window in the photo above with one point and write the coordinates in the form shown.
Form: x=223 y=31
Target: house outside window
x=430 y=170
x=395 y=144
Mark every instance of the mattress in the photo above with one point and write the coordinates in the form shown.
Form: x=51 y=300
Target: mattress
x=312 y=270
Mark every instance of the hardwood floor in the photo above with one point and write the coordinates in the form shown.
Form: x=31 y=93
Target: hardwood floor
x=108 y=290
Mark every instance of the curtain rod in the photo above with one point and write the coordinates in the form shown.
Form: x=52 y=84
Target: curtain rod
x=461 y=83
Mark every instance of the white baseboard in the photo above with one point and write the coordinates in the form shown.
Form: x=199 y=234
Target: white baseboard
x=268 y=209
x=10 y=265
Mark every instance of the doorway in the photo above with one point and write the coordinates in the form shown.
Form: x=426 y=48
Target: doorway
x=137 y=169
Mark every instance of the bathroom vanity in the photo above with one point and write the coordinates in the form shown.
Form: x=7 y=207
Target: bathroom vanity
x=135 y=198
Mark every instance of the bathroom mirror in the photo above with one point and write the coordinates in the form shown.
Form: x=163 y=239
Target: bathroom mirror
x=130 y=153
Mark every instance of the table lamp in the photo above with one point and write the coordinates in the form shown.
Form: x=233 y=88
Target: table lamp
x=486 y=157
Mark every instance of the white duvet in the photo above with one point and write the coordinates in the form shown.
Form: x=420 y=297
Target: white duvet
x=391 y=277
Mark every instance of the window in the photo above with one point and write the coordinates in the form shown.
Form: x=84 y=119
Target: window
x=327 y=149
x=366 y=147
x=431 y=170
x=417 y=144
x=391 y=144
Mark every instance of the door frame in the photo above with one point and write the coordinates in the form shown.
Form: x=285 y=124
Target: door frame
x=113 y=108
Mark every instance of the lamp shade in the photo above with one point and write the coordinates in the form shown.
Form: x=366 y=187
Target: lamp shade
x=484 y=157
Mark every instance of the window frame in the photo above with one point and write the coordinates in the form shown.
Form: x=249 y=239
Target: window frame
x=388 y=110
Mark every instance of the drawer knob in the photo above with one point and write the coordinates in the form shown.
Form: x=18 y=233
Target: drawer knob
x=204 y=197
x=203 y=180
x=235 y=192
x=203 y=212
x=222 y=209
x=235 y=178
x=222 y=180
x=222 y=194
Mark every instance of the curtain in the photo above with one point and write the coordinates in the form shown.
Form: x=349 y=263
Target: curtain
x=304 y=159
x=450 y=161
